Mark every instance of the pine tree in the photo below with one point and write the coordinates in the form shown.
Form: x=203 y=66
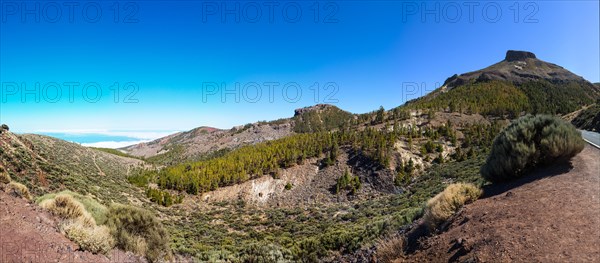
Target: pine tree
x=380 y=116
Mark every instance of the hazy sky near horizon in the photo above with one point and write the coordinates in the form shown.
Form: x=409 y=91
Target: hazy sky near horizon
x=175 y=65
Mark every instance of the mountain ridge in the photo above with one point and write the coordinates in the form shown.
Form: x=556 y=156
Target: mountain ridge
x=197 y=142
x=524 y=81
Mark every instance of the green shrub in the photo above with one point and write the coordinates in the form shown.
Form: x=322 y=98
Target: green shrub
x=441 y=207
x=139 y=231
x=310 y=250
x=528 y=142
x=163 y=198
x=96 y=239
x=19 y=190
x=140 y=179
x=347 y=182
x=265 y=253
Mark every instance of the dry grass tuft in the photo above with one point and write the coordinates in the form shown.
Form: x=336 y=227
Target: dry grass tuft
x=391 y=249
x=67 y=208
x=91 y=205
x=19 y=190
x=139 y=245
x=441 y=207
x=78 y=224
x=95 y=239
x=4 y=176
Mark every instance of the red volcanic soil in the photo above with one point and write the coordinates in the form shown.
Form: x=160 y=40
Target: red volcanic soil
x=30 y=234
x=552 y=215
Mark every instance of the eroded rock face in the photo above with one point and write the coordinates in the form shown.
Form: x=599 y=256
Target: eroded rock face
x=514 y=55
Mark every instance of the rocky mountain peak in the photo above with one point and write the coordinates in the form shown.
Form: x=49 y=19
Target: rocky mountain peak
x=517 y=67
x=317 y=108
x=515 y=55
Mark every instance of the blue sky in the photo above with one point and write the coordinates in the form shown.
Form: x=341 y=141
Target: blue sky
x=166 y=56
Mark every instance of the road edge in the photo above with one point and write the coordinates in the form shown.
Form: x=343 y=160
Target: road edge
x=591 y=143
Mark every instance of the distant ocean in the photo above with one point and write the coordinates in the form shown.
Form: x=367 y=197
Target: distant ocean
x=108 y=139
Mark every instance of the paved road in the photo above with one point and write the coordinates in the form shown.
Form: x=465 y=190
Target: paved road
x=591 y=137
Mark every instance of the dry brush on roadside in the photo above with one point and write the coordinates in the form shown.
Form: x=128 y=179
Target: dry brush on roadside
x=442 y=206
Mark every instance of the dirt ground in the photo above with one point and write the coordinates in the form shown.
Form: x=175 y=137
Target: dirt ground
x=553 y=215
x=29 y=234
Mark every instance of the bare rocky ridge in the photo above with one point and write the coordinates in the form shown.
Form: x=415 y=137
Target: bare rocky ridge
x=203 y=140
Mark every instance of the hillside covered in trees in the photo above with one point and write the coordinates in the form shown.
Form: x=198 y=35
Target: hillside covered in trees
x=251 y=161
x=332 y=186
x=588 y=119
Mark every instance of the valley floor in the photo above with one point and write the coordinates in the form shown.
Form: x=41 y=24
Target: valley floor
x=552 y=215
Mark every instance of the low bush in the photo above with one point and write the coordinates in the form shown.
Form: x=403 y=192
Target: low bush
x=528 y=142
x=19 y=190
x=441 y=207
x=95 y=239
x=265 y=253
x=139 y=231
x=163 y=198
x=67 y=208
